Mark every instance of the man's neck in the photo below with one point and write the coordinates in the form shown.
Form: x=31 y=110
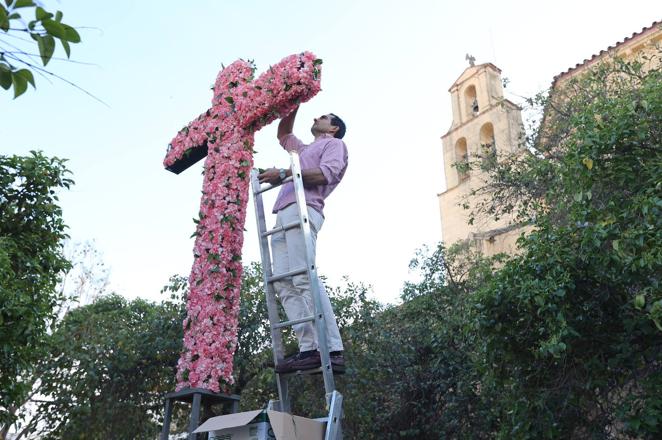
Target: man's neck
x=319 y=135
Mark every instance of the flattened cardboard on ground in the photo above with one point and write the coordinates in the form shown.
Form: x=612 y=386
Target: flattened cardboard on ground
x=285 y=426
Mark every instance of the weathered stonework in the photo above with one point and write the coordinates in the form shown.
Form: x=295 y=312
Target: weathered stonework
x=483 y=121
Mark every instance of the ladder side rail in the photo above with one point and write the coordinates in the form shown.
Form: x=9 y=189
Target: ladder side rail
x=195 y=416
x=165 y=431
x=320 y=322
x=272 y=307
x=333 y=422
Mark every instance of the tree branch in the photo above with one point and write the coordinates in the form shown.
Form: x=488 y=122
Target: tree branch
x=44 y=71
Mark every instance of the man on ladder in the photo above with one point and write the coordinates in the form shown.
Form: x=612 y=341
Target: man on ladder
x=323 y=165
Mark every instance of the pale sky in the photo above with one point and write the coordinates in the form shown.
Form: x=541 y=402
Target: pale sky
x=387 y=69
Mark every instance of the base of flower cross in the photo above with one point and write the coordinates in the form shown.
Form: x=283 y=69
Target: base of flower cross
x=198 y=398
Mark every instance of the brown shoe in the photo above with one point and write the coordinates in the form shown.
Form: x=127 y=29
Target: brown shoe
x=338 y=363
x=306 y=360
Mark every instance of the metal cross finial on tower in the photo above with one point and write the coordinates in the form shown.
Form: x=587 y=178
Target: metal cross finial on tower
x=471 y=59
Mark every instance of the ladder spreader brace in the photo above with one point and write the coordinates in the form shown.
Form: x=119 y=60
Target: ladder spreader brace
x=333 y=398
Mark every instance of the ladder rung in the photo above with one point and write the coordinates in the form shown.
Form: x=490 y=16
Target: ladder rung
x=317 y=370
x=291 y=273
x=293 y=322
x=281 y=228
x=269 y=186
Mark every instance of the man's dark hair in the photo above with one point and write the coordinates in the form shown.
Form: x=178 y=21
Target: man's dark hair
x=337 y=122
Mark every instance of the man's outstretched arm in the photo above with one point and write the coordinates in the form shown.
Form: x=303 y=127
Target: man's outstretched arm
x=311 y=177
x=286 y=125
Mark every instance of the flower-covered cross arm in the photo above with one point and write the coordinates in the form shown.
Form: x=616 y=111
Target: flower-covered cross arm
x=241 y=103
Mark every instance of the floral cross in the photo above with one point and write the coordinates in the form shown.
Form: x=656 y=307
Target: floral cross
x=225 y=135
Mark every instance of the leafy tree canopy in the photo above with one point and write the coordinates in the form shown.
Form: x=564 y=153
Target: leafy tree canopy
x=109 y=365
x=572 y=328
x=31 y=260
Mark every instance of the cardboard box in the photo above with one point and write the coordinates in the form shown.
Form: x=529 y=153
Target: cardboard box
x=252 y=431
x=262 y=425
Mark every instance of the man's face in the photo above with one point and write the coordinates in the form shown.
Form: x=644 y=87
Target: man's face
x=323 y=125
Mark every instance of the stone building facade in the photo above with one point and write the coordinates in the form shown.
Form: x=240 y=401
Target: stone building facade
x=485 y=125
x=484 y=121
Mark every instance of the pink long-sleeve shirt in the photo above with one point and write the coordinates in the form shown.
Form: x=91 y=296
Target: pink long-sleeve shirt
x=327 y=153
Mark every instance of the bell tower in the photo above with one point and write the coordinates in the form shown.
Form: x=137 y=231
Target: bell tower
x=485 y=125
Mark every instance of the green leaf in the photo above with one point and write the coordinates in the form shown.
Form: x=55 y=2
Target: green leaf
x=27 y=75
x=4 y=19
x=23 y=4
x=229 y=100
x=20 y=84
x=58 y=16
x=54 y=28
x=655 y=313
x=46 y=47
x=5 y=78
x=41 y=14
x=639 y=301
x=71 y=34
x=67 y=48
x=588 y=162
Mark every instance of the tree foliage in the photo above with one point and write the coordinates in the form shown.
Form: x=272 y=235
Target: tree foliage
x=17 y=67
x=571 y=328
x=31 y=260
x=413 y=372
x=109 y=365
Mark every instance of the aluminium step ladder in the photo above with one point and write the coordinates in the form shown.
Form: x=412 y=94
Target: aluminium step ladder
x=333 y=397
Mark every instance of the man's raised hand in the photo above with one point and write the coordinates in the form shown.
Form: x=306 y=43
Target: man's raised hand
x=286 y=125
x=271 y=176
